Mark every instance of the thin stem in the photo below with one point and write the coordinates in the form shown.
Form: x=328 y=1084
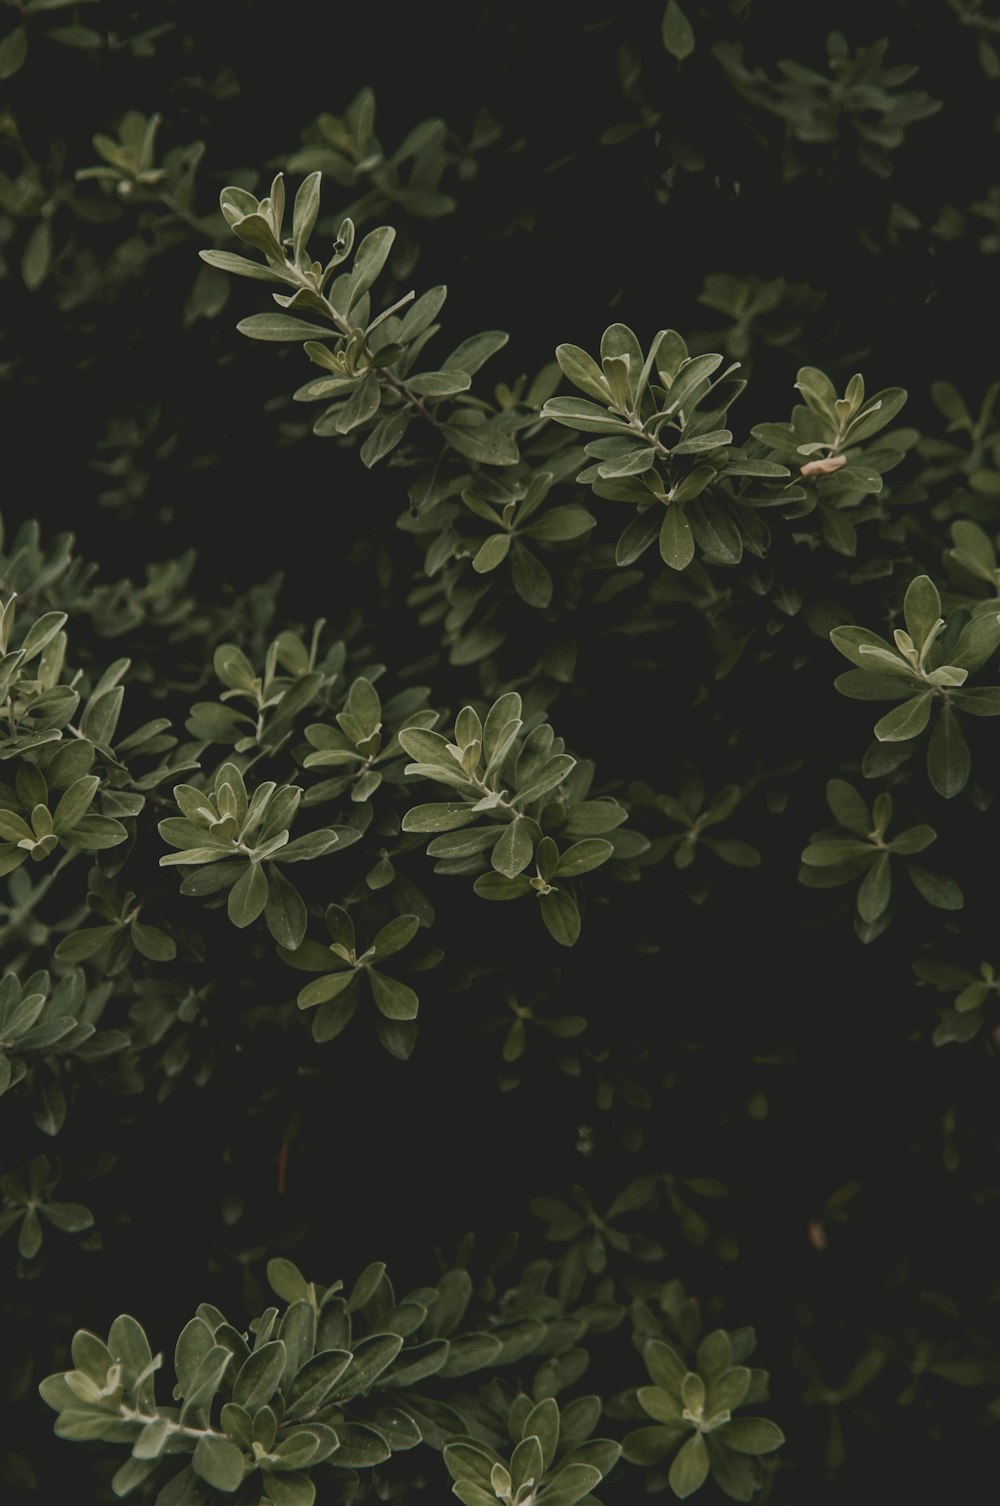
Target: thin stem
x=400 y=388
x=385 y=375
x=500 y=804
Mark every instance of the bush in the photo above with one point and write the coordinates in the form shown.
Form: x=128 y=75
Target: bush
x=572 y=635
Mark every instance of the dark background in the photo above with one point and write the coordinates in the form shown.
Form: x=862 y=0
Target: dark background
x=757 y=991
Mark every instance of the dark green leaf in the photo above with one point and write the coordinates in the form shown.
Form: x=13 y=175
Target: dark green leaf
x=248 y=896
x=282 y=327
x=948 y=760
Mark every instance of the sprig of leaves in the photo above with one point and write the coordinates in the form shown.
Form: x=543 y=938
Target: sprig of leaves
x=925 y=669
x=660 y=419
x=555 y=1462
x=28 y=1206
x=237 y=842
x=857 y=102
x=972 y=994
x=514 y=800
x=859 y=847
x=337 y=1378
x=343 y=965
x=692 y=1410
x=369 y=360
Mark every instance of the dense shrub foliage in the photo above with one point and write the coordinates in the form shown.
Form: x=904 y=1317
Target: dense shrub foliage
x=319 y=646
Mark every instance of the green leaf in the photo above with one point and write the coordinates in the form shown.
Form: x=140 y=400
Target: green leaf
x=948 y=760
x=13 y=51
x=921 y=609
x=95 y=833
x=513 y=852
x=676 y=538
x=833 y=851
x=312 y=845
x=316 y=1381
x=496 y=886
x=321 y=990
x=40 y=634
x=492 y=552
x=439 y=816
x=542 y=1422
x=878 y=411
x=980 y=639
x=949 y=402
x=128 y=1343
x=752 y=1435
x=466 y=1460
x=983 y=700
x=71 y=1218
x=588 y=418
x=636 y=538
x=974 y=549
x=259 y=1376
x=438 y=383
x=906 y=721
x=100 y=717
x=293 y=1489
x=372 y=1356
x=304 y=213
x=916 y=839
x=416 y=1363
x=422 y=313
x=561 y=523
x=37 y=255
x=666 y=1368
x=395 y=936
x=485 y=443
x=475 y=351
x=689 y=1470
x=248 y=896
x=876 y=889
x=362 y=404
x=650 y=1445
x=369 y=259
x=295 y=1450
x=81 y=945
x=218 y=1462
x=662 y=1405
x=873 y=685
x=936 y=888
x=583 y=856
x=728 y=1390
x=850 y=640
x=286 y=1280
x=151 y=942
x=240 y=266
x=385 y=436
x=526 y=1463
x=297 y=1332
x=779 y=437
x=675 y=28
x=393 y=999
x=74 y=803
x=569 y=1485
x=583 y=371
x=848 y=807
x=859 y=478
x=285 y=910
x=204 y=1385
x=131 y=1475
x=532 y=581
x=282 y=327
x=561 y=916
